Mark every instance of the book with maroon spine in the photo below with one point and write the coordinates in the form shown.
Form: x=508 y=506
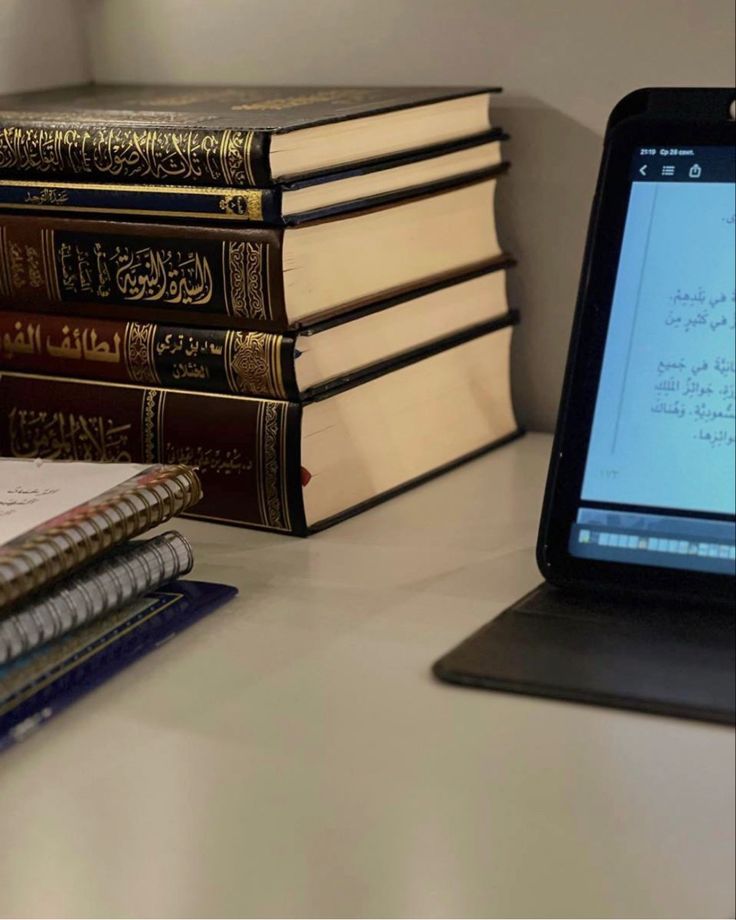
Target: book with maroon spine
x=247 y=363
x=187 y=357
x=256 y=457
x=245 y=276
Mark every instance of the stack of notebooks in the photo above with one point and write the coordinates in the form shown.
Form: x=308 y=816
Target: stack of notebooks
x=298 y=292
x=79 y=598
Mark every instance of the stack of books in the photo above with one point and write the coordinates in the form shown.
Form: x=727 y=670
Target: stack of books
x=298 y=292
x=79 y=598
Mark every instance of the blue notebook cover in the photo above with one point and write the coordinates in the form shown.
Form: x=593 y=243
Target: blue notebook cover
x=36 y=687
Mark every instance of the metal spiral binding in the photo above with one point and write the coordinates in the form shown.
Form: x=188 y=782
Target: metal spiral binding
x=102 y=587
x=47 y=555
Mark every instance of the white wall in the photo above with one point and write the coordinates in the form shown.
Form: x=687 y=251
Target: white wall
x=563 y=63
x=42 y=44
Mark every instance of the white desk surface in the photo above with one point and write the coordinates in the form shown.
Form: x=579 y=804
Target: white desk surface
x=290 y=755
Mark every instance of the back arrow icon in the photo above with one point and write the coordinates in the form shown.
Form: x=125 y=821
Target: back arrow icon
x=643 y=169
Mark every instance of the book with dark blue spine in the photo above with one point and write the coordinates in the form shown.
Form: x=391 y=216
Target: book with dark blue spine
x=38 y=686
x=302 y=198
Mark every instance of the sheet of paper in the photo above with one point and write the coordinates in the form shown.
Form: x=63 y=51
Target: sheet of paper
x=32 y=492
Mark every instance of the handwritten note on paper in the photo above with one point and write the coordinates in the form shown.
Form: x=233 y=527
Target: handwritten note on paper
x=32 y=492
x=664 y=433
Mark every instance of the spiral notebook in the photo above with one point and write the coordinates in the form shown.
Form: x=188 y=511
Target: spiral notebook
x=37 y=686
x=56 y=516
x=122 y=576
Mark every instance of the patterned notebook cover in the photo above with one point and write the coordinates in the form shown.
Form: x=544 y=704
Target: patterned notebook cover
x=36 y=687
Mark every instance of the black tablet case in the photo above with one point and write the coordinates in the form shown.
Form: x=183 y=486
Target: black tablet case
x=655 y=657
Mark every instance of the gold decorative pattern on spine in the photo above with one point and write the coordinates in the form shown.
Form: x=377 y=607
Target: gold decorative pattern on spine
x=253 y=363
x=247 y=204
x=160 y=418
x=51 y=277
x=235 y=149
x=254 y=278
x=247 y=157
x=180 y=155
x=5 y=289
x=224 y=161
x=243 y=279
x=151 y=417
x=140 y=361
x=260 y=479
x=270 y=434
x=233 y=278
x=282 y=464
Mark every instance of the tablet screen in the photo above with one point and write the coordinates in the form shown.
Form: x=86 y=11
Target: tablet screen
x=659 y=478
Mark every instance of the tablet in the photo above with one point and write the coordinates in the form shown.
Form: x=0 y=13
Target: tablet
x=640 y=494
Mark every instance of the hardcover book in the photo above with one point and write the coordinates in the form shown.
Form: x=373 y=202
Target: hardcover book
x=54 y=517
x=226 y=136
x=292 y=202
x=290 y=366
x=249 y=277
x=280 y=465
x=38 y=686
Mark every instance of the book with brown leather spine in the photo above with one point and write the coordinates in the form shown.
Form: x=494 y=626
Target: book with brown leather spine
x=244 y=276
x=283 y=466
x=284 y=366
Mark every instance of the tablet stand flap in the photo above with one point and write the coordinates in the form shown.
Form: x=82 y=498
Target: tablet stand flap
x=650 y=656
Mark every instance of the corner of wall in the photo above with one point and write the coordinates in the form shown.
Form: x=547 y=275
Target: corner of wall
x=43 y=43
